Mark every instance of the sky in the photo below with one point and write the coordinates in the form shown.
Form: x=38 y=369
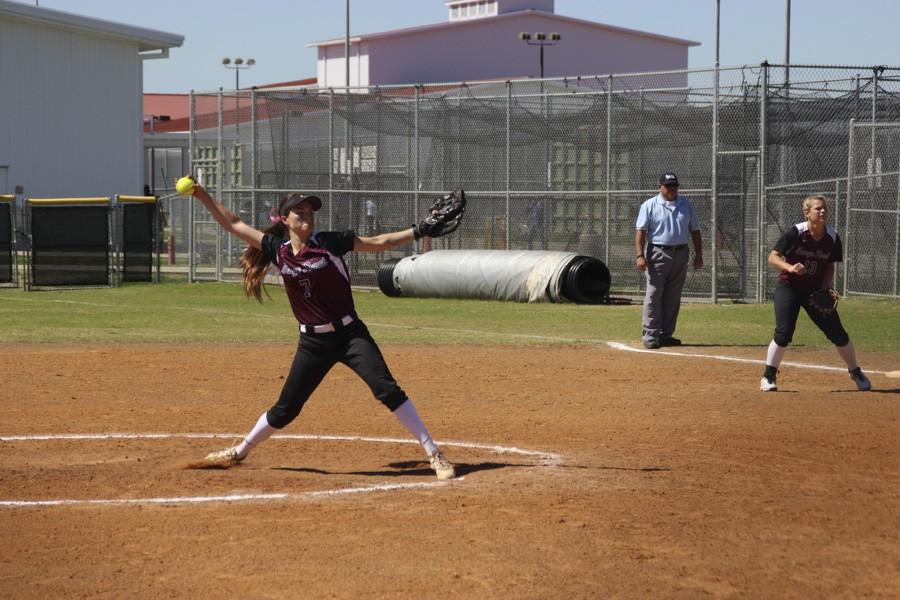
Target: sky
x=275 y=32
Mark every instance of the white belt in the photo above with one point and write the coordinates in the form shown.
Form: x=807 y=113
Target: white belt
x=327 y=327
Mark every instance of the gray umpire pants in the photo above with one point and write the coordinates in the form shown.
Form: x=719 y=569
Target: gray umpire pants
x=666 y=272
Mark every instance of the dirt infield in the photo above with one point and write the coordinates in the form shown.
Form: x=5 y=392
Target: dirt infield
x=636 y=476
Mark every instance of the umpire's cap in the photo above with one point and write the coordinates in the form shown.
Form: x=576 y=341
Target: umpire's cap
x=668 y=179
x=291 y=200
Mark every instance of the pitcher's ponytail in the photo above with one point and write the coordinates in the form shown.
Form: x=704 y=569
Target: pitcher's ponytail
x=255 y=266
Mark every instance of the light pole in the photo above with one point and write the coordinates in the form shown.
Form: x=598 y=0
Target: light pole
x=537 y=209
x=237 y=65
x=540 y=39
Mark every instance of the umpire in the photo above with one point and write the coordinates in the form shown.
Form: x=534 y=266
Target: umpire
x=661 y=243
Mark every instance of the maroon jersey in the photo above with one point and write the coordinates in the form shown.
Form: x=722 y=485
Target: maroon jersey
x=797 y=245
x=317 y=281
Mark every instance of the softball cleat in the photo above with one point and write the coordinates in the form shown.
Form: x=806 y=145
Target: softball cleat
x=859 y=378
x=443 y=468
x=768 y=385
x=223 y=458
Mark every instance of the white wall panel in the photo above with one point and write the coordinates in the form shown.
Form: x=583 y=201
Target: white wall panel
x=70 y=111
x=330 y=65
x=491 y=49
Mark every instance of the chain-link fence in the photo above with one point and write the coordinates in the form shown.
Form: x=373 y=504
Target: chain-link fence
x=872 y=210
x=564 y=164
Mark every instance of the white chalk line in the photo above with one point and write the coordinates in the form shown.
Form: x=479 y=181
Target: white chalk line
x=627 y=348
x=547 y=459
x=225 y=498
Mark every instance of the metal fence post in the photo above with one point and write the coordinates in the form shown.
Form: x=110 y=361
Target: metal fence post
x=714 y=184
x=220 y=173
x=350 y=156
x=641 y=134
x=761 y=209
x=850 y=174
x=191 y=209
x=837 y=213
x=331 y=159
x=508 y=146
x=874 y=118
x=254 y=159
x=609 y=88
x=416 y=155
x=897 y=231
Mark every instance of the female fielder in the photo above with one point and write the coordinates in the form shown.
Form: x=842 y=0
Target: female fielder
x=805 y=255
x=318 y=287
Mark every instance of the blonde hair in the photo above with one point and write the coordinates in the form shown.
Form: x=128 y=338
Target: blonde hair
x=807 y=202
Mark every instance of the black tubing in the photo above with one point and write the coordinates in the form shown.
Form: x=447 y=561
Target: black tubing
x=585 y=280
x=385 y=277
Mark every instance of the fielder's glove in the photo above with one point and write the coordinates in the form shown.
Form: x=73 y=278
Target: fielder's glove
x=825 y=300
x=443 y=217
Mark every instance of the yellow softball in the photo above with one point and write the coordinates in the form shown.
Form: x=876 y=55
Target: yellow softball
x=185 y=186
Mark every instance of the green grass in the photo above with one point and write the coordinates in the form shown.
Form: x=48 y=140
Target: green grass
x=219 y=313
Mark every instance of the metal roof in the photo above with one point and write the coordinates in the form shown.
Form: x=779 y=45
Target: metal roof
x=511 y=15
x=146 y=39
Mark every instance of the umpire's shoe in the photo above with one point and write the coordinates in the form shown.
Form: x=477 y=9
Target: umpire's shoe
x=443 y=468
x=859 y=378
x=223 y=458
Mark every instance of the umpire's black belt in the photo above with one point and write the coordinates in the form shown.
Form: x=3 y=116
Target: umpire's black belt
x=328 y=327
x=664 y=247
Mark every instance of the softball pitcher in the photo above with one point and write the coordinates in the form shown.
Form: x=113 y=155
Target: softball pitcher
x=317 y=283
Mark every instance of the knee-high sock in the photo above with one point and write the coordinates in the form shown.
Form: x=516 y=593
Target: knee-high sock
x=260 y=433
x=407 y=415
x=848 y=353
x=775 y=354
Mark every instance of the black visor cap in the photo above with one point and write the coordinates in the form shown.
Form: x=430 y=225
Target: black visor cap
x=296 y=199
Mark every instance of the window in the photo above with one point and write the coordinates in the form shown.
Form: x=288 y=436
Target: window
x=206 y=165
x=365 y=160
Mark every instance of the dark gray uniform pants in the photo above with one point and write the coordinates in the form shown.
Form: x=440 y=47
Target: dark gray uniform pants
x=316 y=354
x=666 y=272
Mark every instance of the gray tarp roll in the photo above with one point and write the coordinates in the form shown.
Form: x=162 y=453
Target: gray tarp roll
x=521 y=276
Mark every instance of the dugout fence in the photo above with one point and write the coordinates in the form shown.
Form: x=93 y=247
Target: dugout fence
x=9 y=272
x=564 y=164
x=90 y=242
x=138 y=257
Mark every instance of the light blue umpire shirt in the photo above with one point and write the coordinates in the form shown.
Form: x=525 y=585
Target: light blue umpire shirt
x=667 y=223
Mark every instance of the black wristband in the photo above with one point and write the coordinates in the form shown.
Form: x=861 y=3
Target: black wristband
x=416 y=234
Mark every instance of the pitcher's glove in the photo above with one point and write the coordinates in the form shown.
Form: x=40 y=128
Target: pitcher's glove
x=443 y=217
x=825 y=300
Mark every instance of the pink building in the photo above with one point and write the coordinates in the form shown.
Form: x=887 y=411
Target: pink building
x=480 y=41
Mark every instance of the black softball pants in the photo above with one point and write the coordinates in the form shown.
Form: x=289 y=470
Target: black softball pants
x=317 y=353
x=787 y=308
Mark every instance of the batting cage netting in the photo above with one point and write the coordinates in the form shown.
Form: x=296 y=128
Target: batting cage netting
x=69 y=243
x=563 y=164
